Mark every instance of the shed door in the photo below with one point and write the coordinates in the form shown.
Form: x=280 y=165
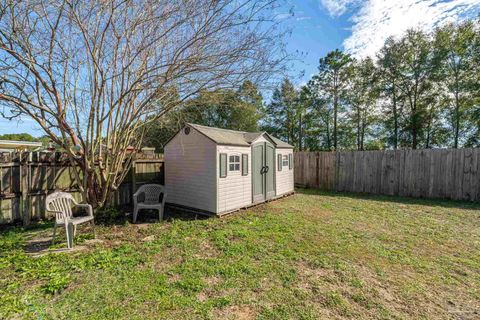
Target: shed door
x=258 y=181
x=263 y=171
x=269 y=171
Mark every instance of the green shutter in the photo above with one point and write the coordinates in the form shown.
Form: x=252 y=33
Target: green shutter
x=279 y=157
x=290 y=162
x=244 y=164
x=223 y=165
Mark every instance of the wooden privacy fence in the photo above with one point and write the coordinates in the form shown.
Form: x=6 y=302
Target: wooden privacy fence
x=428 y=173
x=26 y=179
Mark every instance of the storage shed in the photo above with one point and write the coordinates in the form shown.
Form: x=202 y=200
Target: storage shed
x=217 y=171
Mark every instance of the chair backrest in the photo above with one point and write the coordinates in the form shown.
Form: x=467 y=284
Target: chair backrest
x=152 y=193
x=61 y=203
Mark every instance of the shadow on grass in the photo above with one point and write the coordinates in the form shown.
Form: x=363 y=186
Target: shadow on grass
x=36 y=239
x=183 y=215
x=445 y=203
x=38 y=245
x=120 y=216
x=35 y=226
x=29 y=238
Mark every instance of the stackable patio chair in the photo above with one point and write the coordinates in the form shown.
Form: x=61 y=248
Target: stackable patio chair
x=151 y=200
x=62 y=203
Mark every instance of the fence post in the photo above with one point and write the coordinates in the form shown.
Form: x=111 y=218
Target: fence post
x=25 y=187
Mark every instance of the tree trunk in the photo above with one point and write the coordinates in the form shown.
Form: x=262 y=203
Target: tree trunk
x=362 y=135
x=429 y=128
x=358 y=129
x=300 y=132
x=457 y=120
x=414 y=122
x=329 y=143
x=395 y=117
x=335 y=102
x=414 y=137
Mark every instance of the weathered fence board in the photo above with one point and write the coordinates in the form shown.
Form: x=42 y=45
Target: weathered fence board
x=26 y=180
x=427 y=173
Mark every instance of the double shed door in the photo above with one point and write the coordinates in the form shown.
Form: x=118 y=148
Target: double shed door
x=263 y=171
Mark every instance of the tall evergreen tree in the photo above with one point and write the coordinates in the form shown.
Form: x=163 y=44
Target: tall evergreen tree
x=332 y=80
x=388 y=65
x=362 y=97
x=281 y=112
x=417 y=66
x=317 y=118
x=474 y=137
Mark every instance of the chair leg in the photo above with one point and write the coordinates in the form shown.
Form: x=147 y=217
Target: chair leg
x=135 y=213
x=54 y=233
x=160 y=214
x=93 y=227
x=74 y=230
x=69 y=234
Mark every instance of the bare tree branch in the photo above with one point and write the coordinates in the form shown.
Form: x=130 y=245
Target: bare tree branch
x=95 y=74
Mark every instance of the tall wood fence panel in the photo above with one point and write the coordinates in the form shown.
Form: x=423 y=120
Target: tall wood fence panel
x=26 y=179
x=428 y=173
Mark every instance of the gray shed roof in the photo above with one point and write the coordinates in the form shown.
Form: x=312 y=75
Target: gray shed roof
x=232 y=137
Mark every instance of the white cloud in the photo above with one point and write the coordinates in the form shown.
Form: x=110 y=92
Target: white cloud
x=337 y=7
x=376 y=20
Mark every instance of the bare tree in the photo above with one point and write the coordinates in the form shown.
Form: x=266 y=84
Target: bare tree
x=94 y=74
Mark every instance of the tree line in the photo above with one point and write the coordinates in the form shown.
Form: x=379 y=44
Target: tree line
x=419 y=91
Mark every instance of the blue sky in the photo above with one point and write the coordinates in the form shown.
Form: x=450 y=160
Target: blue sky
x=357 y=26
x=314 y=33
x=360 y=27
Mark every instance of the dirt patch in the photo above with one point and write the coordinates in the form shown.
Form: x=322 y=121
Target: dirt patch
x=163 y=262
x=40 y=244
x=94 y=241
x=149 y=238
x=235 y=312
x=212 y=281
x=207 y=250
x=58 y=250
x=347 y=293
x=141 y=226
x=202 y=297
x=172 y=278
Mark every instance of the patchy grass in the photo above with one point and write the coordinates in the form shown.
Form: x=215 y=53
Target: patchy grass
x=313 y=255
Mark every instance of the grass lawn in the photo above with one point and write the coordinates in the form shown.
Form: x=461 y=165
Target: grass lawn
x=310 y=256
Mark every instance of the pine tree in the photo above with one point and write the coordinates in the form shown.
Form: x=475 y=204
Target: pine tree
x=388 y=65
x=331 y=81
x=281 y=113
x=416 y=71
x=362 y=97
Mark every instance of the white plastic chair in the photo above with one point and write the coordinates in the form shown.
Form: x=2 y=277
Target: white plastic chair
x=61 y=203
x=152 y=200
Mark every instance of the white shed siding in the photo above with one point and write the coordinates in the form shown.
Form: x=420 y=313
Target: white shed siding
x=284 y=182
x=234 y=191
x=190 y=171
